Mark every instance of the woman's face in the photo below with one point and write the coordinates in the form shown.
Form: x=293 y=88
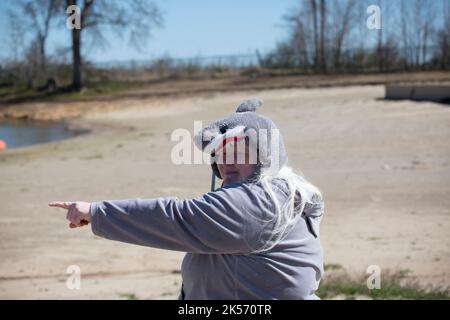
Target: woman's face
x=235 y=172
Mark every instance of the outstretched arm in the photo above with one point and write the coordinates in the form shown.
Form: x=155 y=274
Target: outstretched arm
x=217 y=222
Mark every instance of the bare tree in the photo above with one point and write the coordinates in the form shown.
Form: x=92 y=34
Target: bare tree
x=41 y=12
x=318 y=14
x=309 y=20
x=316 y=32
x=299 y=42
x=16 y=42
x=323 y=23
x=380 y=52
x=301 y=38
x=32 y=65
x=343 y=23
x=134 y=17
x=417 y=18
x=16 y=35
x=30 y=22
x=443 y=39
x=426 y=30
x=405 y=38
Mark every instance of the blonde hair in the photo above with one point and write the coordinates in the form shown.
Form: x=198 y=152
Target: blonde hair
x=287 y=213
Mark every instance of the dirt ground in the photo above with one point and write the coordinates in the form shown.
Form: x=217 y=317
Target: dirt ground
x=42 y=107
x=383 y=166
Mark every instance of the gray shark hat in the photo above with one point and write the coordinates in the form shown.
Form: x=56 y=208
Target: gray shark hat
x=260 y=132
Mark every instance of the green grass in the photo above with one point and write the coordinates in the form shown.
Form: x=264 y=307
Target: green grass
x=333 y=266
x=393 y=286
x=5 y=90
x=92 y=90
x=128 y=296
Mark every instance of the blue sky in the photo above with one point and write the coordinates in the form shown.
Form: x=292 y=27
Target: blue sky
x=191 y=28
x=202 y=28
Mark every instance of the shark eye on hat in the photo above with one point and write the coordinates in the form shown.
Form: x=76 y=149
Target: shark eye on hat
x=223 y=129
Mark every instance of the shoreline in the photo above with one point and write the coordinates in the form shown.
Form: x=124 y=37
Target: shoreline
x=185 y=88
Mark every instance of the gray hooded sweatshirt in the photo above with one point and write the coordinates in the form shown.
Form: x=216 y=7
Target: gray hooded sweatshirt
x=220 y=231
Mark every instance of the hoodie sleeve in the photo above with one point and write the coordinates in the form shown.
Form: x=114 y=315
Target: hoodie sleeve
x=218 y=222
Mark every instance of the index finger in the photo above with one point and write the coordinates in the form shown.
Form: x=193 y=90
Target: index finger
x=60 y=204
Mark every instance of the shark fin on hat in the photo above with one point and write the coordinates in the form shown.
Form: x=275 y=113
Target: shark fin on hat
x=249 y=105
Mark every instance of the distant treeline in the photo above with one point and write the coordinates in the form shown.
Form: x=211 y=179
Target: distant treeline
x=329 y=36
x=322 y=37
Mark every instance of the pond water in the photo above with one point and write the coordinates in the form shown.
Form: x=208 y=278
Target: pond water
x=25 y=133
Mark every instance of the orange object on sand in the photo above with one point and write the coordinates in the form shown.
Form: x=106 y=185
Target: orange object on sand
x=2 y=145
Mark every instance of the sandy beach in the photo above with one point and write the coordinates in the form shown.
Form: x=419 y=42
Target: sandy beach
x=383 y=166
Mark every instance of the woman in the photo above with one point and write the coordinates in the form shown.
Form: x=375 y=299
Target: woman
x=255 y=237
